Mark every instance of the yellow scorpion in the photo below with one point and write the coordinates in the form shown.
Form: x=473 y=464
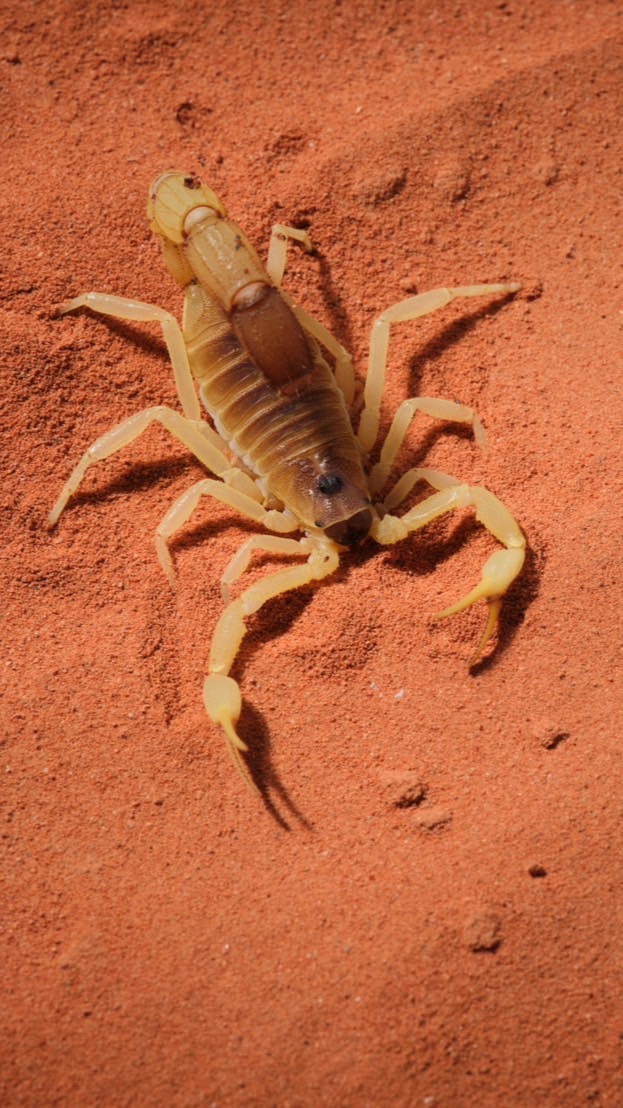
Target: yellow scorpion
x=281 y=445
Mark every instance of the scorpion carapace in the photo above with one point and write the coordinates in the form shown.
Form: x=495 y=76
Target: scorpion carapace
x=280 y=445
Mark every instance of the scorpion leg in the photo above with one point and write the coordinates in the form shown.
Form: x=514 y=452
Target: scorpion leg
x=187 y=431
x=412 y=308
x=344 y=372
x=227 y=494
x=221 y=693
x=278 y=249
x=275 y=267
x=438 y=409
x=273 y=544
x=498 y=572
x=434 y=477
x=137 y=311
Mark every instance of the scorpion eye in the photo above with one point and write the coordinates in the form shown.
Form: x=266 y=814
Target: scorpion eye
x=330 y=483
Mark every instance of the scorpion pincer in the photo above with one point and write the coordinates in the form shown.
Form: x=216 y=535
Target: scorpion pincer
x=280 y=445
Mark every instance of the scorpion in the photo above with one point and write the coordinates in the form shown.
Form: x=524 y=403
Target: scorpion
x=281 y=446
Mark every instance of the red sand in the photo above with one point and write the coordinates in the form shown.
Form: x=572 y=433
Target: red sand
x=169 y=939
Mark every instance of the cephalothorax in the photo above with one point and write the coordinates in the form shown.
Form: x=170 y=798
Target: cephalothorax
x=280 y=445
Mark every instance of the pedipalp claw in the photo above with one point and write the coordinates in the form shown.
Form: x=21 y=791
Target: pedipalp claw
x=498 y=573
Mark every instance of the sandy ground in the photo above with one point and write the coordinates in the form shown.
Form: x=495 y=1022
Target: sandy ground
x=168 y=938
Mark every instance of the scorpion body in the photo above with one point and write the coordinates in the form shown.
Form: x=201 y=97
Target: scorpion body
x=262 y=378
x=281 y=445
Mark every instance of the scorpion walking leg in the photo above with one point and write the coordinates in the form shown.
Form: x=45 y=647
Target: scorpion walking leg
x=273 y=544
x=275 y=267
x=137 y=311
x=409 y=480
x=278 y=249
x=187 y=431
x=498 y=572
x=221 y=693
x=438 y=409
x=344 y=372
x=412 y=308
x=234 y=498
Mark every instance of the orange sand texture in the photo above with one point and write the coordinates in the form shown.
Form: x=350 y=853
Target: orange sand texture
x=424 y=907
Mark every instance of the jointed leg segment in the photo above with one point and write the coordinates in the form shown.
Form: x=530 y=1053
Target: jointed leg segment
x=344 y=371
x=137 y=311
x=275 y=267
x=187 y=431
x=235 y=488
x=241 y=502
x=272 y=544
x=412 y=308
x=431 y=406
x=278 y=249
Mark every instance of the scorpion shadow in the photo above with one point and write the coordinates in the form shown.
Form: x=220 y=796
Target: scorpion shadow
x=334 y=301
x=262 y=770
x=450 y=335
